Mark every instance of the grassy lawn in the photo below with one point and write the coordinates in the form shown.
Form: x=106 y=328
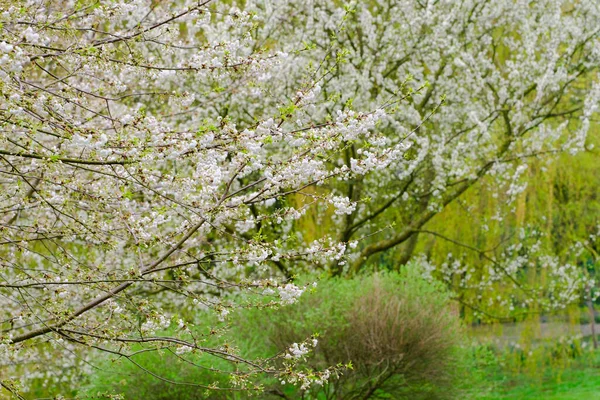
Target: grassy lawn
x=581 y=381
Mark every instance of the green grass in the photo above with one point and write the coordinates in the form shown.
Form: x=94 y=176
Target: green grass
x=580 y=381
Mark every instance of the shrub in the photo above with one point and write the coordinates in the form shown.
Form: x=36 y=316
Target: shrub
x=398 y=331
x=159 y=375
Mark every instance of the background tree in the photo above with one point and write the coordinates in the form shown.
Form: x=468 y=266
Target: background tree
x=519 y=86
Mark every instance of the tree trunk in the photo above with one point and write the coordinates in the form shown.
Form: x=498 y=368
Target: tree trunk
x=590 y=304
x=408 y=249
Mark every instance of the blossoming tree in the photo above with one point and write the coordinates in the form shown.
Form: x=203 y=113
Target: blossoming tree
x=519 y=82
x=155 y=156
x=126 y=182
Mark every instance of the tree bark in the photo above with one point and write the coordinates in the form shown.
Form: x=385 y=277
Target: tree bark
x=590 y=304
